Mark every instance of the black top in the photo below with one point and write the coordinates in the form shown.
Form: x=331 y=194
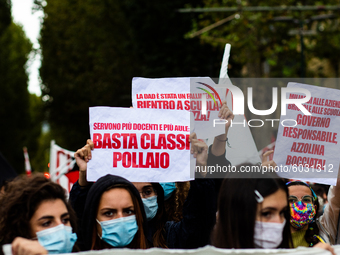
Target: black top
x=86 y=201
x=199 y=210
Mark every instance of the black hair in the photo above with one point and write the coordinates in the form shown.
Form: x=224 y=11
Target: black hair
x=237 y=208
x=20 y=201
x=160 y=218
x=88 y=235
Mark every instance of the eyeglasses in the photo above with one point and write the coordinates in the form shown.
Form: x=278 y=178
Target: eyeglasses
x=147 y=192
x=307 y=199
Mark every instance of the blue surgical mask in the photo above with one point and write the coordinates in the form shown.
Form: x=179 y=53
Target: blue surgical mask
x=150 y=207
x=59 y=239
x=169 y=188
x=119 y=232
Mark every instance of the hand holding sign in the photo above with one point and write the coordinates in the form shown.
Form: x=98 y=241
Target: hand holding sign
x=82 y=157
x=218 y=147
x=23 y=246
x=265 y=159
x=226 y=114
x=199 y=149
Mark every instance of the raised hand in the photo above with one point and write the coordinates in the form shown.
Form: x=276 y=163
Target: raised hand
x=265 y=159
x=83 y=156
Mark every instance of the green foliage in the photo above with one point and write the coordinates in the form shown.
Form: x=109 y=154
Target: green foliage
x=91 y=50
x=41 y=157
x=256 y=37
x=5 y=15
x=14 y=97
x=85 y=62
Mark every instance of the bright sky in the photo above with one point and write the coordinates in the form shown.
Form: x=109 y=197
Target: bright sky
x=22 y=14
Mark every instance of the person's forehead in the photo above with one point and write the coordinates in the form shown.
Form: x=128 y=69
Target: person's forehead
x=140 y=185
x=276 y=200
x=299 y=190
x=115 y=198
x=54 y=208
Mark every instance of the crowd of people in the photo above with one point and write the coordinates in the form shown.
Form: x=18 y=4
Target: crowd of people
x=260 y=211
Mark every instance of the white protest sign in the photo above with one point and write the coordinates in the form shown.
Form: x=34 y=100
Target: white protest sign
x=307 y=145
x=141 y=145
x=202 y=99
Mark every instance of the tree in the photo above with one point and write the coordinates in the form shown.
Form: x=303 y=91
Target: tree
x=5 y=15
x=259 y=39
x=14 y=96
x=91 y=51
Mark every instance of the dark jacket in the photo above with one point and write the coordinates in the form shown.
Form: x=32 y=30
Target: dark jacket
x=199 y=211
x=199 y=216
x=89 y=211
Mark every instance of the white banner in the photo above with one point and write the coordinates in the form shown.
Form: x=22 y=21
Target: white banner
x=307 y=145
x=141 y=145
x=61 y=164
x=210 y=250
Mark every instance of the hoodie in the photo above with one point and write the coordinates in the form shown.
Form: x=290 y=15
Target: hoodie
x=91 y=205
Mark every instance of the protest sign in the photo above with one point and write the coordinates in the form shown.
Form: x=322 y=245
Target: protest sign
x=61 y=165
x=307 y=145
x=141 y=145
x=197 y=95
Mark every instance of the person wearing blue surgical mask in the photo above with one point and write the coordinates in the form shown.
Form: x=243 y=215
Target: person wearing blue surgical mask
x=113 y=216
x=148 y=193
x=192 y=231
x=36 y=218
x=169 y=188
x=153 y=201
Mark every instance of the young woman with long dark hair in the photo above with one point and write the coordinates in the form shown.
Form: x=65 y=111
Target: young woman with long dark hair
x=113 y=216
x=35 y=217
x=252 y=213
x=199 y=209
x=198 y=213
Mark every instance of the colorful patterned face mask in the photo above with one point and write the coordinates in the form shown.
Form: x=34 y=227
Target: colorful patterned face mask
x=301 y=214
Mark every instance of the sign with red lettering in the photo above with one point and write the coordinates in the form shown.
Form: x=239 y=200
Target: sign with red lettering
x=141 y=145
x=307 y=145
x=198 y=95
